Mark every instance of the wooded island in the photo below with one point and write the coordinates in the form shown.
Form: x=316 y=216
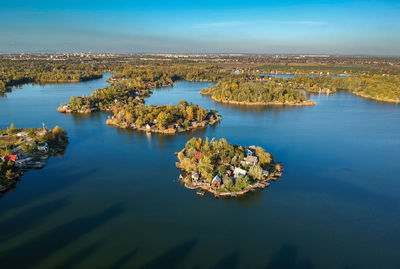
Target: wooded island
x=166 y=119
x=225 y=170
x=240 y=91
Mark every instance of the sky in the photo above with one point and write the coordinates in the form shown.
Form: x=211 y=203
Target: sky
x=258 y=27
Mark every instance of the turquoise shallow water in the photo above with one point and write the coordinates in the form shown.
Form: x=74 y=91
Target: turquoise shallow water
x=112 y=200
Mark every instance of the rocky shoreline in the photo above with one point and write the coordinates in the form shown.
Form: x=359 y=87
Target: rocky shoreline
x=207 y=188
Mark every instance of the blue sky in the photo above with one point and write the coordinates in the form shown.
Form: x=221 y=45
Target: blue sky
x=320 y=27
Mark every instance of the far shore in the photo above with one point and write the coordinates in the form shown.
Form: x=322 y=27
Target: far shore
x=363 y=95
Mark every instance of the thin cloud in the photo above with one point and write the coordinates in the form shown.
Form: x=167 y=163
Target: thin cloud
x=240 y=23
x=307 y=22
x=220 y=24
x=310 y=23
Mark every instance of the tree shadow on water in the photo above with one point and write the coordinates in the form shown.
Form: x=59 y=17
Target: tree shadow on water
x=124 y=260
x=287 y=257
x=82 y=254
x=86 y=252
x=172 y=257
x=231 y=261
x=68 y=179
x=32 y=252
x=29 y=218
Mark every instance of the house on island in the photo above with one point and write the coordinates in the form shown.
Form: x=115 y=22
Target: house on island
x=248 y=152
x=43 y=146
x=195 y=176
x=197 y=155
x=265 y=173
x=239 y=172
x=22 y=134
x=216 y=181
x=10 y=157
x=252 y=160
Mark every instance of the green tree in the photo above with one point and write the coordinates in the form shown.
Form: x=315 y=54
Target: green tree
x=256 y=172
x=205 y=167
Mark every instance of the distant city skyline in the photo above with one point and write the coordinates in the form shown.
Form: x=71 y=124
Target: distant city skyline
x=251 y=27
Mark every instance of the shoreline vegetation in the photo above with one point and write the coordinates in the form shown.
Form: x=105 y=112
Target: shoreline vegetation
x=16 y=73
x=164 y=119
x=106 y=99
x=379 y=86
x=223 y=169
x=373 y=78
x=274 y=103
x=131 y=84
x=378 y=99
x=22 y=149
x=242 y=92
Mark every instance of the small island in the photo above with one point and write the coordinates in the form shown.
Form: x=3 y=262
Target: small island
x=165 y=119
x=242 y=92
x=106 y=99
x=225 y=170
x=25 y=149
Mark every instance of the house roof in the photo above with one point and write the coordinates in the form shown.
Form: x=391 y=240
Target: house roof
x=217 y=178
x=10 y=157
x=239 y=171
x=198 y=155
x=252 y=159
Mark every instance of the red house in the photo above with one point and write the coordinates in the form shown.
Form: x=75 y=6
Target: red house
x=10 y=157
x=197 y=155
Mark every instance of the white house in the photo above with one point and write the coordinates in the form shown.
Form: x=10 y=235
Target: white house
x=239 y=172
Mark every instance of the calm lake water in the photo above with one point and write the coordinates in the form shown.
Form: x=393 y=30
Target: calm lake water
x=112 y=200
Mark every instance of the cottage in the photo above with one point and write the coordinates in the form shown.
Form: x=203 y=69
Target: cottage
x=239 y=172
x=248 y=152
x=198 y=155
x=265 y=173
x=252 y=160
x=195 y=176
x=216 y=181
x=10 y=157
x=43 y=147
x=22 y=134
x=148 y=127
